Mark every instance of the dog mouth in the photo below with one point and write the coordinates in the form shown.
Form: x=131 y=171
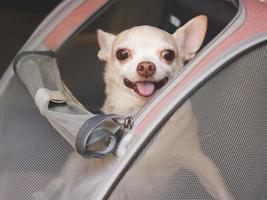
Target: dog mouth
x=145 y=88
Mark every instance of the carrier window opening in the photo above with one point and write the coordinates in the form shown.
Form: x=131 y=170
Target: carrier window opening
x=83 y=72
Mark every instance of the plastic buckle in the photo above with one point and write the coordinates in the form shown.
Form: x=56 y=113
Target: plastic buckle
x=99 y=136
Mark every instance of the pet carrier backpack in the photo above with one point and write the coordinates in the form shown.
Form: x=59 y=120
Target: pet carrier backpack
x=42 y=124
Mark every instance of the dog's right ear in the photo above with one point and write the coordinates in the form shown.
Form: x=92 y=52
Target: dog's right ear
x=191 y=35
x=105 y=41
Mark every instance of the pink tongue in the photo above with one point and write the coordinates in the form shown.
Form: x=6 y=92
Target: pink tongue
x=145 y=88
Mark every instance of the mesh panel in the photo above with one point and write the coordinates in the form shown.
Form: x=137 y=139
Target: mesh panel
x=31 y=151
x=231 y=123
x=80 y=179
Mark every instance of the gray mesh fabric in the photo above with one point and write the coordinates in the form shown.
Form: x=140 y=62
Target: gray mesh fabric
x=41 y=76
x=31 y=151
x=231 y=121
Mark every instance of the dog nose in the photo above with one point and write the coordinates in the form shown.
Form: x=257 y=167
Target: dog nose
x=146 y=69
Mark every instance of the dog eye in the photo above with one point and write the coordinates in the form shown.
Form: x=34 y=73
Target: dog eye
x=122 y=54
x=168 y=55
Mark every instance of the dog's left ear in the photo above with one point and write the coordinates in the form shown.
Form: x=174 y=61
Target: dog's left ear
x=105 y=41
x=190 y=36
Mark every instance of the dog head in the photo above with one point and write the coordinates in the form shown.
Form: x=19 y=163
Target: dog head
x=144 y=58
